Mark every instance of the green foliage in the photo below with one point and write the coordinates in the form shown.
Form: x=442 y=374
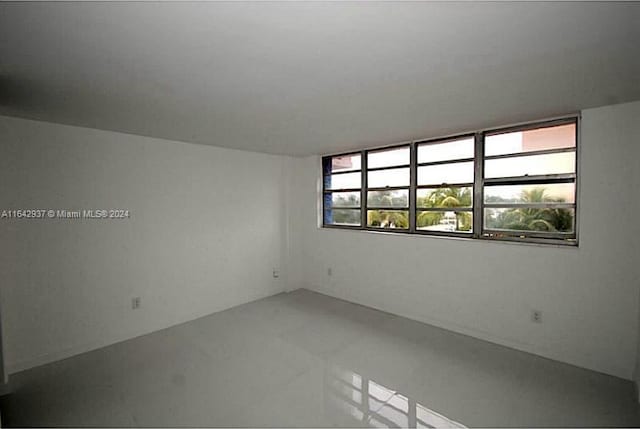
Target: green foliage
x=387 y=199
x=532 y=219
x=429 y=219
x=350 y=217
x=519 y=219
x=391 y=218
x=351 y=201
x=445 y=198
x=388 y=219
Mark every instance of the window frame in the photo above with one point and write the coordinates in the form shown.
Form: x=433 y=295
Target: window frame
x=417 y=144
x=479 y=232
x=326 y=191
x=364 y=204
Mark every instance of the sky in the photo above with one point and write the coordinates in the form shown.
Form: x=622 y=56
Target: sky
x=514 y=142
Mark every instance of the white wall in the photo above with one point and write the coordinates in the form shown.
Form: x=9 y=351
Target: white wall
x=207 y=228
x=209 y=224
x=588 y=295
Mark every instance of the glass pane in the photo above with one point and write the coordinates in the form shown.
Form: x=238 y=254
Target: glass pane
x=547 y=193
x=561 y=136
x=384 y=178
x=456 y=149
x=343 y=199
x=388 y=158
x=342 y=217
x=342 y=181
x=445 y=197
x=461 y=172
x=342 y=163
x=388 y=198
x=391 y=219
x=445 y=221
x=527 y=219
x=556 y=163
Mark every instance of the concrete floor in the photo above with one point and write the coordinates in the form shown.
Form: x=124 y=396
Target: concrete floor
x=305 y=359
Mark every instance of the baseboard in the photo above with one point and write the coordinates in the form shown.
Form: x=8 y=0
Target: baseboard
x=77 y=349
x=479 y=334
x=32 y=362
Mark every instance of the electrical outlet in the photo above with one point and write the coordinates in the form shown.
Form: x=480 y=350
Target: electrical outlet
x=329 y=272
x=276 y=273
x=536 y=316
x=135 y=303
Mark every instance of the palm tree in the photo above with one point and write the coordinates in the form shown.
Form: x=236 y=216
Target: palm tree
x=535 y=218
x=388 y=219
x=446 y=197
x=427 y=218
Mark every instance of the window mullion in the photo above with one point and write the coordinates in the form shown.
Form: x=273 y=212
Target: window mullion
x=363 y=191
x=478 y=185
x=413 y=181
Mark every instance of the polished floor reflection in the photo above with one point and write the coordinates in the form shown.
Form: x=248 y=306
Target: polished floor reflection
x=307 y=360
x=376 y=405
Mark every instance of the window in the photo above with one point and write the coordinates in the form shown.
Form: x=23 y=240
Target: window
x=342 y=190
x=444 y=190
x=388 y=183
x=530 y=182
x=517 y=183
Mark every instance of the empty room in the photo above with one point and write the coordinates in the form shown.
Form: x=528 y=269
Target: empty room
x=319 y=214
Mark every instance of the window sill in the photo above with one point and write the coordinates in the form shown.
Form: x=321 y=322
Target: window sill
x=458 y=237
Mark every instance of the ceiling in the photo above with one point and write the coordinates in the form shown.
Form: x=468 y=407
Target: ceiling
x=312 y=78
